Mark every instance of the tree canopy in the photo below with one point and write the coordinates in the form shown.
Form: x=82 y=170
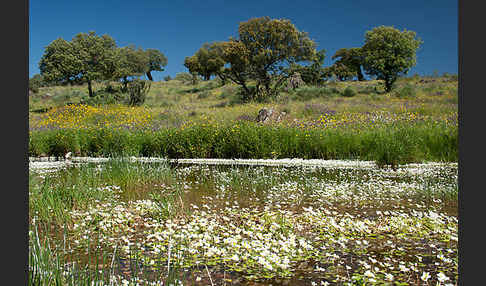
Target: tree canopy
x=341 y=71
x=97 y=57
x=272 y=45
x=389 y=52
x=207 y=61
x=156 y=62
x=89 y=57
x=348 y=64
x=86 y=58
x=60 y=63
x=314 y=73
x=130 y=62
x=264 y=53
x=238 y=71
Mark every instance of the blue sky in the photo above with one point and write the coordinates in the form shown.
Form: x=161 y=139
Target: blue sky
x=179 y=28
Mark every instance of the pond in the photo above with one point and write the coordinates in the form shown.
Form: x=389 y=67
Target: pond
x=246 y=222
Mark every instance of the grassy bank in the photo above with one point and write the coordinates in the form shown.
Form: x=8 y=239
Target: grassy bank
x=394 y=143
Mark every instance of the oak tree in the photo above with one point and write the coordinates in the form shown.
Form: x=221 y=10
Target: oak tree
x=130 y=62
x=97 y=57
x=271 y=47
x=349 y=61
x=207 y=61
x=156 y=62
x=389 y=53
x=86 y=58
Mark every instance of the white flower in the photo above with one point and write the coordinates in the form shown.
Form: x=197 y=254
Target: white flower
x=442 y=277
x=389 y=277
x=425 y=276
x=403 y=268
x=369 y=274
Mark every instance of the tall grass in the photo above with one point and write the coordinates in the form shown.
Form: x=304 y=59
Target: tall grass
x=52 y=198
x=398 y=142
x=50 y=265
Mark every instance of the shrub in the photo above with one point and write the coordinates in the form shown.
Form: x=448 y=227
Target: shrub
x=36 y=82
x=101 y=98
x=204 y=94
x=138 y=90
x=209 y=86
x=368 y=90
x=408 y=91
x=195 y=78
x=183 y=77
x=228 y=91
x=167 y=78
x=349 y=92
x=60 y=99
x=236 y=100
x=309 y=92
x=221 y=104
x=33 y=87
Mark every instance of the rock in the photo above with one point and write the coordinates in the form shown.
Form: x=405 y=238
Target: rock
x=264 y=114
x=294 y=82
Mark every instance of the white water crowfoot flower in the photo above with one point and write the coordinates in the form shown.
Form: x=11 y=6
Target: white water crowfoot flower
x=425 y=276
x=369 y=275
x=403 y=268
x=442 y=277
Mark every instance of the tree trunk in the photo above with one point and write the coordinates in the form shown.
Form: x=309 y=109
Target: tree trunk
x=360 y=74
x=247 y=91
x=223 y=79
x=149 y=76
x=268 y=91
x=389 y=83
x=90 y=89
x=125 y=84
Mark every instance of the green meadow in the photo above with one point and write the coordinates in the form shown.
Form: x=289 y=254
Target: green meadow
x=416 y=122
